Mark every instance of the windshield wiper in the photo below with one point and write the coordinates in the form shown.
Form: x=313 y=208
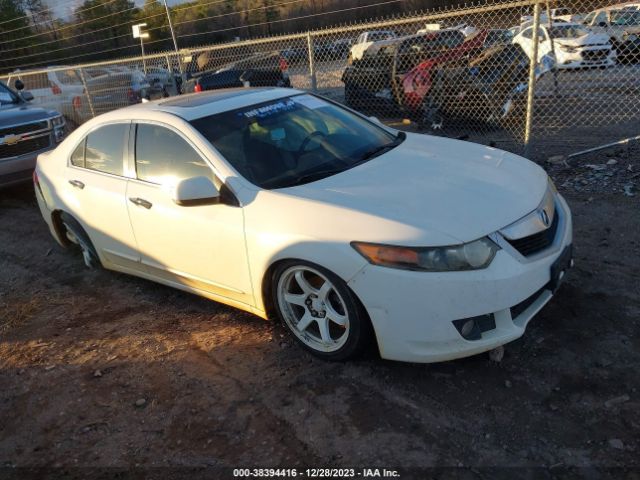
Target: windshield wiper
x=310 y=177
x=383 y=148
x=320 y=174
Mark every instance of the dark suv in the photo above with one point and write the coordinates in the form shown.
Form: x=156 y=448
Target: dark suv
x=25 y=132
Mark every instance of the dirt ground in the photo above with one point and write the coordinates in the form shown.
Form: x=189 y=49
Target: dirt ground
x=98 y=369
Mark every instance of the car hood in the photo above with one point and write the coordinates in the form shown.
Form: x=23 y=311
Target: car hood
x=17 y=114
x=427 y=191
x=590 y=39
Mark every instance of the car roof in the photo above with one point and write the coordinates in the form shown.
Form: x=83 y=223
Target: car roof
x=202 y=104
x=619 y=6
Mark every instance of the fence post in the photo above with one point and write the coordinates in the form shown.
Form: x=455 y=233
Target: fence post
x=86 y=91
x=174 y=85
x=312 y=63
x=532 y=81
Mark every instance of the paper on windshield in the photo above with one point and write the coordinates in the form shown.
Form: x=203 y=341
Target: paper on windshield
x=310 y=101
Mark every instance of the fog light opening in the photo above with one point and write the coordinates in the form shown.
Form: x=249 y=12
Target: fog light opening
x=467 y=328
x=472 y=328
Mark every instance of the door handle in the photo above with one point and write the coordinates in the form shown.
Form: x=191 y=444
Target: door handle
x=141 y=202
x=77 y=184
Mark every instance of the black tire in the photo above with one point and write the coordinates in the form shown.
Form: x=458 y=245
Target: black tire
x=432 y=118
x=79 y=236
x=359 y=333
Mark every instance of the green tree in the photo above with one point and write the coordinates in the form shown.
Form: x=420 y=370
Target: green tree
x=106 y=20
x=13 y=32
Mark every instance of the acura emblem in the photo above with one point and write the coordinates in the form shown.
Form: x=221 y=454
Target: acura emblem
x=544 y=216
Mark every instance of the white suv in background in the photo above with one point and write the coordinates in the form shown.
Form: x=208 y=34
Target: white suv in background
x=53 y=88
x=573 y=45
x=366 y=39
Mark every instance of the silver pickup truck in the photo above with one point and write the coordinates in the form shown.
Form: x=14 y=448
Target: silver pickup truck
x=25 y=132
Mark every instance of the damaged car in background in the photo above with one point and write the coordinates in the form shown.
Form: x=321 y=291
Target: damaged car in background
x=442 y=78
x=393 y=73
x=487 y=91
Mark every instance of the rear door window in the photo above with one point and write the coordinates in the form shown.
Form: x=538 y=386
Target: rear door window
x=104 y=149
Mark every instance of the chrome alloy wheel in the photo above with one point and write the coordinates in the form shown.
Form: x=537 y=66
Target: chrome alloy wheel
x=313 y=309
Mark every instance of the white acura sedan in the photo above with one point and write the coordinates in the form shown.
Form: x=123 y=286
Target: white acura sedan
x=283 y=203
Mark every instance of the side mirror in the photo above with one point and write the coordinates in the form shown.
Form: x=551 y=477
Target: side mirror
x=196 y=191
x=27 y=96
x=18 y=85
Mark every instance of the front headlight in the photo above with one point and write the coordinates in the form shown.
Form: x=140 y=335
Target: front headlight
x=469 y=256
x=57 y=121
x=57 y=124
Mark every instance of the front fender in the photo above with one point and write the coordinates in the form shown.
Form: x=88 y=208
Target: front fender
x=264 y=251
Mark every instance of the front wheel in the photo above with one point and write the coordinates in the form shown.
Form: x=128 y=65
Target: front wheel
x=320 y=310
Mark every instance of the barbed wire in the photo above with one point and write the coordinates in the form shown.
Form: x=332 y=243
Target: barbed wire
x=66 y=27
x=293 y=18
x=111 y=27
x=91 y=53
x=31 y=25
x=51 y=9
x=131 y=22
x=239 y=12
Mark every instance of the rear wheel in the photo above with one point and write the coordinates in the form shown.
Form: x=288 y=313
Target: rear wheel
x=76 y=234
x=320 y=310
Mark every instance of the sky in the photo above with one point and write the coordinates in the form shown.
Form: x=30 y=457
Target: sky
x=64 y=8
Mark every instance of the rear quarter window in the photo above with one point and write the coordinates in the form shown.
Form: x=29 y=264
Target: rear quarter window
x=105 y=149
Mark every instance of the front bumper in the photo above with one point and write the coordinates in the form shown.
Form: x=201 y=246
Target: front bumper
x=413 y=312
x=581 y=58
x=19 y=169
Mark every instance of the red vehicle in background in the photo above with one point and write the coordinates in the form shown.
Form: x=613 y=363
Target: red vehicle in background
x=416 y=84
x=397 y=72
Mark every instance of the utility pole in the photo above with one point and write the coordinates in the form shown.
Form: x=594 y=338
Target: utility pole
x=175 y=40
x=173 y=33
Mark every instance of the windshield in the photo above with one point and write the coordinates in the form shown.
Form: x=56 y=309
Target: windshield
x=625 y=17
x=7 y=96
x=293 y=140
x=568 y=31
x=379 y=36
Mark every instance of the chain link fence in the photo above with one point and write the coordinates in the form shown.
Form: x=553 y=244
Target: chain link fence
x=543 y=78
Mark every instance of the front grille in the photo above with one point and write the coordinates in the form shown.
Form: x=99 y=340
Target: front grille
x=538 y=241
x=595 y=55
x=29 y=127
x=24 y=147
x=516 y=310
